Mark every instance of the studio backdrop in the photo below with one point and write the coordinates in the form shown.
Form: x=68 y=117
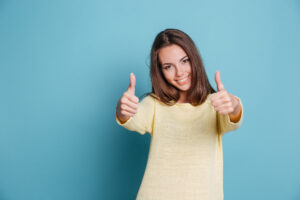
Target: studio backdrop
x=64 y=65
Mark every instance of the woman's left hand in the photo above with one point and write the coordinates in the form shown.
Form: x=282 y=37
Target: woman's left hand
x=224 y=102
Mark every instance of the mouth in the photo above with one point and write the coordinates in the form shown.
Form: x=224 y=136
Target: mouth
x=183 y=79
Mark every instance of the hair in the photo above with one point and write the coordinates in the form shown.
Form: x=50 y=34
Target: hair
x=161 y=89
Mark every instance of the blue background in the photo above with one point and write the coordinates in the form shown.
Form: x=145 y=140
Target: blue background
x=65 y=64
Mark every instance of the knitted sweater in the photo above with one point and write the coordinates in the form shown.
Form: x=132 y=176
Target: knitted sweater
x=185 y=160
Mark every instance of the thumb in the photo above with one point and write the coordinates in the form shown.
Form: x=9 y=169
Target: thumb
x=131 y=87
x=220 y=85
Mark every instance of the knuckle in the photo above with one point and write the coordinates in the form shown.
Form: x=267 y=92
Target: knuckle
x=123 y=106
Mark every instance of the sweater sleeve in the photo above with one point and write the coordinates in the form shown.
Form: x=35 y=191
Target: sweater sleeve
x=224 y=123
x=142 y=121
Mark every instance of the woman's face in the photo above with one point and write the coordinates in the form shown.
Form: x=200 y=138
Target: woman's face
x=176 y=66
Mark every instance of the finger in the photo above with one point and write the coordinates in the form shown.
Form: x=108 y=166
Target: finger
x=126 y=113
x=220 y=102
x=223 y=94
x=131 y=104
x=125 y=100
x=131 y=87
x=128 y=108
x=220 y=85
x=132 y=98
x=224 y=108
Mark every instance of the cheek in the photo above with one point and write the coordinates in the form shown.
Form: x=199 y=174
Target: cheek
x=168 y=76
x=189 y=68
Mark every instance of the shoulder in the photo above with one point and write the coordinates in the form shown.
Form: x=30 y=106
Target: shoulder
x=147 y=100
x=208 y=101
x=149 y=97
x=208 y=97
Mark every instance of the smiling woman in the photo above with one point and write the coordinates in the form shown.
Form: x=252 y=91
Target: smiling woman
x=186 y=119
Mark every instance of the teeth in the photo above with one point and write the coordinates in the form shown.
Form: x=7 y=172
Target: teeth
x=182 y=80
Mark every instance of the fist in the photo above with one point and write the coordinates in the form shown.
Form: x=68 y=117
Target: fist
x=128 y=103
x=222 y=101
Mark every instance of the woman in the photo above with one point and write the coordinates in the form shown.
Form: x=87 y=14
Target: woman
x=186 y=119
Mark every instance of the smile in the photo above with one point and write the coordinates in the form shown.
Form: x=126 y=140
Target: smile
x=182 y=80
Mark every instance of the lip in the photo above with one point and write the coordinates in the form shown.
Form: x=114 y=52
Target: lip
x=184 y=82
x=182 y=78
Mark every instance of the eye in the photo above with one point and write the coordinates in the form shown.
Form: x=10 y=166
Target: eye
x=186 y=60
x=167 y=67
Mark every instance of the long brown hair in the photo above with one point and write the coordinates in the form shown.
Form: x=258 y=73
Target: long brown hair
x=161 y=89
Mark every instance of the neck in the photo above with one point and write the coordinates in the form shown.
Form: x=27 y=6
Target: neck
x=182 y=98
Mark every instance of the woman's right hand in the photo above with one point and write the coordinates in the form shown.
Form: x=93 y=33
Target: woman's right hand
x=128 y=103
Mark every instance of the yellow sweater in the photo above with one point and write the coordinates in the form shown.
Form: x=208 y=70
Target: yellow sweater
x=185 y=160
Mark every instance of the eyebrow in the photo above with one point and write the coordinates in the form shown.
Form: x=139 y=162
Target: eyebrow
x=180 y=60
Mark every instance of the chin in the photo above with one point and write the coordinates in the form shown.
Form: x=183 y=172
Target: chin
x=184 y=88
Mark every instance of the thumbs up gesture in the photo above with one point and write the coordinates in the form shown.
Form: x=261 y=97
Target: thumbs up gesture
x=223 y=102
x=128 y=103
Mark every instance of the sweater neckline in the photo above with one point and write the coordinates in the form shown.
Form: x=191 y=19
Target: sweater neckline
x=182 y=104
x=189 y=104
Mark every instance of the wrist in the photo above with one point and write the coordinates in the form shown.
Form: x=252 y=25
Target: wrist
x=122 y=120
x=237 y=107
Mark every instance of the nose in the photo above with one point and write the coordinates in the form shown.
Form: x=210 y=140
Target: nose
x=179 y=70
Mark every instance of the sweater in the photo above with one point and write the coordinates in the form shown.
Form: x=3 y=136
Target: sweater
x=185 y=160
